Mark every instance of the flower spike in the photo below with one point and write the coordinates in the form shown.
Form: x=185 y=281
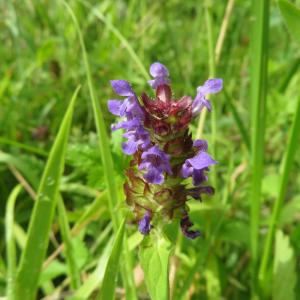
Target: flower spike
x=158 y=183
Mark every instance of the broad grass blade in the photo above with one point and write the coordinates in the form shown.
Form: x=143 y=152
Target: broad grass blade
x=154 y=257
x=41 y=218
x=107 y=291
x=10 y=241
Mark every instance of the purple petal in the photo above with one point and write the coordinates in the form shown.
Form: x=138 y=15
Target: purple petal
x=122 y=87
x=155 y=83
x=201 y=145
x=154 y=176
x=186 y=170
x=198 y=177
x=114 y=106
x=129 y=147
x=144 y=165
x=199 y=103
x=201 y=160
x=211 y=86
x=158 y=70
x=185 y=224
x=144 y=224
x=128 y=125
x=197 y=191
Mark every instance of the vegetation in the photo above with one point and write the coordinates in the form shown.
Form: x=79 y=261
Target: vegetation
x=66 y=232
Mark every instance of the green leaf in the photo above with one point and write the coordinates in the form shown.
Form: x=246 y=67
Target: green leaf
x=96 y=278
x=111 y=271
x=41 y=218
x=213 y=286
x=154 y=257
x=284 y=273
x=10 y=240
x=290 y=211
x=74 y=273
x=291 y=15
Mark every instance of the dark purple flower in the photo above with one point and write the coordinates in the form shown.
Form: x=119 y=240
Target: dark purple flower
x=196 y=166
x=156 y=162
x=185 y=224
x=210 y=86
x=197 y=191
x=144 y=223
x=160 y=74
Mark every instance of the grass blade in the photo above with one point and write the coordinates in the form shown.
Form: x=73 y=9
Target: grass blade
x=111 y=271
x=238 y=120
x=121 y=38
x=286 y=170
x=291 y=15
x=10 y=241
x=41 y=218
x=107 y=162
x=74 y=273
x=96 y=278
x=258 y=70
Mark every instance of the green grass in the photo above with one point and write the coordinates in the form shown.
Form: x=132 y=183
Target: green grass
x=66 y=240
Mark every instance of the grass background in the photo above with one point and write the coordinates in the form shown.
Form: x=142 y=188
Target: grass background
x=42 y=65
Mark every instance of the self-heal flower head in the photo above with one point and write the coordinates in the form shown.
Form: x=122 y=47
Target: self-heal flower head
x=164 y=155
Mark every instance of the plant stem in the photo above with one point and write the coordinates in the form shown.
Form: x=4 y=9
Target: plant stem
x=287 y=167
x=258 y=68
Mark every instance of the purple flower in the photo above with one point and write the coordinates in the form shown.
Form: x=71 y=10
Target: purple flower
x=133 y=115
x=144 y=223
x=197 y=191
x=185 y=224
x=164 y=153
x=160 y=74
x=136 y=138
x=156 y=162
x=122 y=88
x=201 y=145
x=211 y=86
x=196 y=166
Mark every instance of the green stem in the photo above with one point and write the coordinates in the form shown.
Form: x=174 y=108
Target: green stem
x=259 y=59
x=287 y=167
x=212 y=72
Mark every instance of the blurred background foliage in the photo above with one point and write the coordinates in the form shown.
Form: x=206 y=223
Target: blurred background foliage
x=41 y=66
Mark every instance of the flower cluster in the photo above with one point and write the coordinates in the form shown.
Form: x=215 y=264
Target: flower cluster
x=164 y=154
